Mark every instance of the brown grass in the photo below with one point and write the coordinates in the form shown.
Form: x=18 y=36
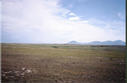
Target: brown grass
x=62 y=64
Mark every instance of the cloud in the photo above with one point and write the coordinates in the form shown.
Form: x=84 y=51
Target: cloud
x=43 y=21
x=74 y=18
x=0 y=19
x=121 y=16
x=72 y=14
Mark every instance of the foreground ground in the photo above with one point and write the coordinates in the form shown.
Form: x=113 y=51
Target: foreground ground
x=27 y=63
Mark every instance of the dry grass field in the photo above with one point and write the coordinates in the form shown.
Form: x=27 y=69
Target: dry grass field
x=51 y=63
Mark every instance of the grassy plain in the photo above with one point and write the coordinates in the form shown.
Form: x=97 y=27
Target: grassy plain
x=59 y=63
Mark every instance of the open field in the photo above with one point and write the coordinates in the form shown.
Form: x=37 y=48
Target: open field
x=27 y=63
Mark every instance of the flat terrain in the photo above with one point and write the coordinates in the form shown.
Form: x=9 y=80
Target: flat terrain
x=36 y=63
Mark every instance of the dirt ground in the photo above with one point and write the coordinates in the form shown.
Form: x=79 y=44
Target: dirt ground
x=27 y=63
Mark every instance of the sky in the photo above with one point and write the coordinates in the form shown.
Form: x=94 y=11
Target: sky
x=61 y=21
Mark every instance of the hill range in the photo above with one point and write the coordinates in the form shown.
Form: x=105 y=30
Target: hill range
x=116 y=42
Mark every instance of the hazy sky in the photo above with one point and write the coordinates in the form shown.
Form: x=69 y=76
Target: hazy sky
x=60 y=21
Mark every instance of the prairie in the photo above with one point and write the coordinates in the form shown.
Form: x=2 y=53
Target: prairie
x=61 y=63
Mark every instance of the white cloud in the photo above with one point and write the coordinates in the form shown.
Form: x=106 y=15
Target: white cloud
x=121 y=16
x=74 y=18
x=0 y=19
x=42 y=21
x=72 y=14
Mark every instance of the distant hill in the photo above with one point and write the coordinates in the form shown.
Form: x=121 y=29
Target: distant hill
x=73 y=42
x=117 y=42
